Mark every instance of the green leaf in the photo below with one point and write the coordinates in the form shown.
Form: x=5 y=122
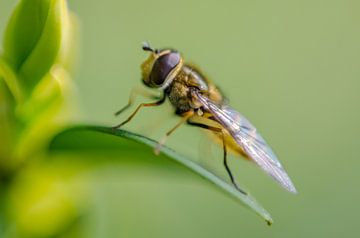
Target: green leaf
x=11 y=81
x=33 y=38
x=92 y=138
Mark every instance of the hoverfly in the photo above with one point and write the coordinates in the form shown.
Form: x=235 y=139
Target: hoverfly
x=200 y=103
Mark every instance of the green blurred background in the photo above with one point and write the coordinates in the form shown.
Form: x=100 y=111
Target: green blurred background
x=292 y=67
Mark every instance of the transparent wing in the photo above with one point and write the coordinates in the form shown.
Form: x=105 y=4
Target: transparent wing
x=247 y=137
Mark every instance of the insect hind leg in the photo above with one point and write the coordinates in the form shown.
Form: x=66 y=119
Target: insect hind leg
x=221 y=131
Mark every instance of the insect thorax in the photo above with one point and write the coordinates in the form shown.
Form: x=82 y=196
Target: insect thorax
x=179 y=90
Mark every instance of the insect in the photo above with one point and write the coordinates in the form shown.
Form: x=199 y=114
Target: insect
x=200 y=103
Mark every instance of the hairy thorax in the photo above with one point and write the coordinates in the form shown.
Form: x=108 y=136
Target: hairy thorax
x=179 y=90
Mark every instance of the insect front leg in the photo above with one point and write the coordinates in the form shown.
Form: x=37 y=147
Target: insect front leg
x=153 y=104
x=222 y=132
x=184 y=119
x=135 y=91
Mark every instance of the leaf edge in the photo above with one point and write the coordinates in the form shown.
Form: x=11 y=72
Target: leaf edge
x=246 y=200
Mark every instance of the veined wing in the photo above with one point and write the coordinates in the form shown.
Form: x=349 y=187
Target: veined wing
x=247 y=137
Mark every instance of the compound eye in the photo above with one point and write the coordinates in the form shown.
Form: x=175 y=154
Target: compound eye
x=163 y=66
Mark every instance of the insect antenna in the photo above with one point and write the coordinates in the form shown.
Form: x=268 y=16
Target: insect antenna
x=146 y=46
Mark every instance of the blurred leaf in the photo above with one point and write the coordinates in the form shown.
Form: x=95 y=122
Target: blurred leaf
x=11 y=81
x=38 y=52
x=49 y=205
x=45 y=112
x=33 y=38
x=90 y=138
x=5 y=122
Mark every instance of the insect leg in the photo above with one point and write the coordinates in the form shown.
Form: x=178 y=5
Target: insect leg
x=184 y=118
x=135 y=91
x=221 y=131
x=153 y=104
